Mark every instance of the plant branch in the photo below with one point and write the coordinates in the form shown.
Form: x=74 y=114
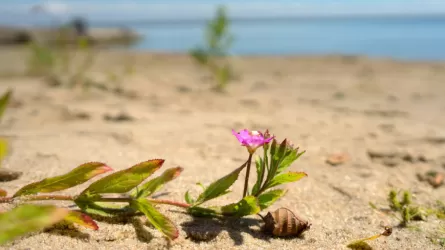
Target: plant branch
x=5 y=199
x=37 y=198
x=168 y=202
x=246 y=182
x=102 y=199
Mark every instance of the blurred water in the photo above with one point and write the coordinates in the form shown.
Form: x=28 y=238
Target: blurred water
x=419 y=38
x=398 y=37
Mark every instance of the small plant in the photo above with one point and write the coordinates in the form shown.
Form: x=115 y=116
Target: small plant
x=57 y=63
x=404 y=210
x=5 y=175
x=92 y=200
x=68 y=65
x=405 y=207
x=4 y=100
x=41 y=60
x=213 y=55
x=276 y=158
x=123 y=193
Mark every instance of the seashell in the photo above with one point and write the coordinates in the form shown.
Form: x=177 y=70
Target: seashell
x=283 y=222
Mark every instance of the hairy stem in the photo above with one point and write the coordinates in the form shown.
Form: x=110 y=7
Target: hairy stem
x=157 y=201
x=246 y=182
x=48 y=197
x=5 y=199
x=168 y=202
x=102 y=199
x=37 y=198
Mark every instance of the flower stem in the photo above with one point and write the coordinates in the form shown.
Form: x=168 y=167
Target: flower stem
x=246 y=182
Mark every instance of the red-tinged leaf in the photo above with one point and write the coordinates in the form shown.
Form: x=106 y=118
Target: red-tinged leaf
x=124 y=180
x=158 y=220
x=155 y=184
x=81 y=219
x=3 y=193
x=28 y=218
x=76 y=177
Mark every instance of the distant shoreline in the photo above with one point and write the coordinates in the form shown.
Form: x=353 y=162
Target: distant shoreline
x=379 y=18
x=302 y=18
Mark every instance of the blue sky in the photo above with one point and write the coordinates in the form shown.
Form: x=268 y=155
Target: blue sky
x=170 y=9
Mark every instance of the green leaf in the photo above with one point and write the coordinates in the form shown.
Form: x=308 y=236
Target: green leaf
x=223 y=75
x=201 y=185
x=247 y=206
x=81 y=219
x=260 y=168
x=157 y=219
x=28 y=218
x=220 y=186
x=124 y=180
x=273 y=148
x=289 y=159
x=3 y=193
x=268 y=198
x=280 y=153
x=200 y=56
x=76 y=177
x=203 y=212
x=101 y=208
x=286 y=178
x=277 y=156
x=155 y=184
x=3 y=149
x=4 y=100
x=188 y=198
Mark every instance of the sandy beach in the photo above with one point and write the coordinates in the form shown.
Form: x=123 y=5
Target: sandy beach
x=326 y=105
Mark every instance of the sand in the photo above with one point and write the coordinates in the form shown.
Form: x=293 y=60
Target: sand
x=325 y=105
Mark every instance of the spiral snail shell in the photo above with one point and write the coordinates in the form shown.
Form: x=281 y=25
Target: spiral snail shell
x=283 y=222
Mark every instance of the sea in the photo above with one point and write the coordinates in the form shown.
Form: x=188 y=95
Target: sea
x=418 y=37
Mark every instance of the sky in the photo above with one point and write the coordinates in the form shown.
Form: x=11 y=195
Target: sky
x=180 y=9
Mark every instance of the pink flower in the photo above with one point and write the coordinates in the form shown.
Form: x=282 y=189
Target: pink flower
x=251 y=139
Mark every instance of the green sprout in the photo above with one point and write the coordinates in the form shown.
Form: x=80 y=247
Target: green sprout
x=212 y=56
x=69 y=65
x=4 y=101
